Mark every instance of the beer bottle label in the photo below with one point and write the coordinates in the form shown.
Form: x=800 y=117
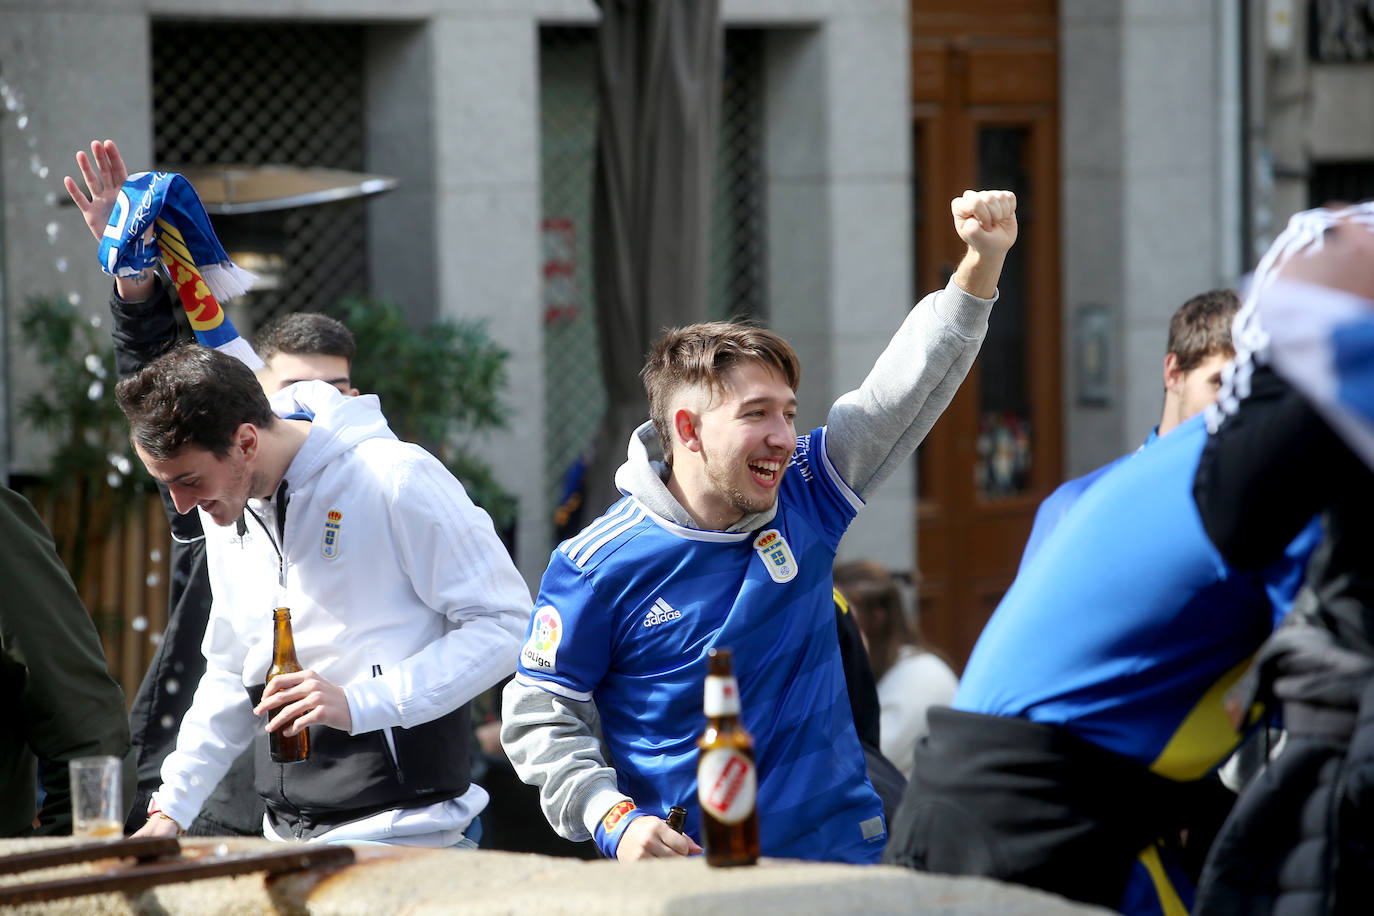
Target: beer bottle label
x=726 y=785
x=721 y=696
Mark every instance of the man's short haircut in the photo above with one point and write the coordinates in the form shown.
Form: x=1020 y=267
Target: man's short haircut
x=700 y=355
x=191 y=395
x=305 y=334
x=1202 y=327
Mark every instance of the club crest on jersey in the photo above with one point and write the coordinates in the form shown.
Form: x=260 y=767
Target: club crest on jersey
x=333 y=526
x=777 y=555
x=540 y=652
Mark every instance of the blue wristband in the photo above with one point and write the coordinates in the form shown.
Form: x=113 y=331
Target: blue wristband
x=612 y=827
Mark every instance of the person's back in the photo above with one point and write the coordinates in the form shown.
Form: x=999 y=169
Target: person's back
x=1090 y=710
x=1128 y=619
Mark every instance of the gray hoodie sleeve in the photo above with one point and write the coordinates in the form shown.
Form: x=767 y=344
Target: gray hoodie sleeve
x=552 y=743
x=874 y=428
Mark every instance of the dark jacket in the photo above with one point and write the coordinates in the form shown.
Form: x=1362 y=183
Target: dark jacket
x=143 y=331
x=1021 y=801
x=1299 y=840
x=59 y=701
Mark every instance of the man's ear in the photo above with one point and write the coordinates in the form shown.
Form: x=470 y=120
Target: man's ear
x=245 y=440
x=1173 y=375
x=686 y=429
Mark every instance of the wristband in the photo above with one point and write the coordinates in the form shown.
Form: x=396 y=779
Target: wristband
x=155 y=811
x=612 y=826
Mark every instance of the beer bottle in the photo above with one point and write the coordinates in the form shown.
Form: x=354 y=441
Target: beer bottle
x=677 y=818
x=727 y=780
x=296 y=747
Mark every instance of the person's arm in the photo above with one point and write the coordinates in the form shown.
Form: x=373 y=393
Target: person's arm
x=67 y=703
x=550 y=729
x=873 y=429
x=1264 y=473
x=552 y=743
x=215 y=731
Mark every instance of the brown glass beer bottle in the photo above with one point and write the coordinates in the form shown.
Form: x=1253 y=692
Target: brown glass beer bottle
x=727 y=779
x=296 y=747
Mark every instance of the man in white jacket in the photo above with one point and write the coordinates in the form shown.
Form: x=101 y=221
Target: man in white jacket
x=404 y=604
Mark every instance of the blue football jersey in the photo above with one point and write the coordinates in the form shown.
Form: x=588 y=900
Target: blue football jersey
x=1127 y=627
x=1055 y=506
x=626 y=612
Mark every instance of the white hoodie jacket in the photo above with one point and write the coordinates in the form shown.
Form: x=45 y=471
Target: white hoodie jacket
x=387 y=567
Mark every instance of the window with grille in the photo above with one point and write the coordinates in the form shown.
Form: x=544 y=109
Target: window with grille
x=271 y=94
x=574 y=396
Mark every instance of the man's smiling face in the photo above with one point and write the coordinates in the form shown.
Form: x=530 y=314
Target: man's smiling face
x=747 y=436
x=197 y=477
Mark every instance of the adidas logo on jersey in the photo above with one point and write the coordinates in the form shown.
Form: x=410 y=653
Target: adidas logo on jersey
x=662 y=613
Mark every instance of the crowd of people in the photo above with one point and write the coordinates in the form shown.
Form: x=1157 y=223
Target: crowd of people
x=1205 y=590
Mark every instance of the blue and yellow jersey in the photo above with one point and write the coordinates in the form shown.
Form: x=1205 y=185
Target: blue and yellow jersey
x=1126 y=627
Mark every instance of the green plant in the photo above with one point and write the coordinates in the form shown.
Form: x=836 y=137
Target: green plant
x=92 y=462
x=440 y=386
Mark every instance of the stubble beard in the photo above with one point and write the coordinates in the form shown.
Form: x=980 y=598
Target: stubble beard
x=719 y=478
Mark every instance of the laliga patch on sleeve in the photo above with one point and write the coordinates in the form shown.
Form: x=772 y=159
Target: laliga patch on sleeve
x=540 y=652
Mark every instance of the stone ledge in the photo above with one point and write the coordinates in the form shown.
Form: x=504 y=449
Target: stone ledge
x=429 y=882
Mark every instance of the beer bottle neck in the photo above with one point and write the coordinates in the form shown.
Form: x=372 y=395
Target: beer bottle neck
x=721 y=697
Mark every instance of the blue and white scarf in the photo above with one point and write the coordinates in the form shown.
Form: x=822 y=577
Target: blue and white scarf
x=158 y=218
x=1320 y=340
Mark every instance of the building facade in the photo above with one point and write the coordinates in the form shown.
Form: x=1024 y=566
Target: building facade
x=1156 y=145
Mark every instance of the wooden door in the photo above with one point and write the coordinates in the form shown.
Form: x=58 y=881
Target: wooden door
x=985 y=88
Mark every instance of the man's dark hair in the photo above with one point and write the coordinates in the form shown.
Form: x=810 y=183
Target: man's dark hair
x=305 y=334
x=1202 y=327
x=191 y=396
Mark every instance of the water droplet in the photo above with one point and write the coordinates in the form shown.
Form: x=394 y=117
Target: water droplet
x=152 y=580
x=74 y=298
x=22 y=121
x=95 y=321
x=155 y=638
x=221 y=849
x=11 y=103
x=52 y=229
x=172 y=685
x=61 y=265
x=42 y=171
x=96 y=368
x=95 y=391
x=155 y=555
x=193 y=780
x=168 y=721
x=122 y=463
x=50 y=198
x=113 y=479
x=139 y=623
x=178 y=667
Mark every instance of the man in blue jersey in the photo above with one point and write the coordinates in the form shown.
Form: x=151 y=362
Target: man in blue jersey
x=1199 y=346
x=1090 y=711
x=726 y=537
